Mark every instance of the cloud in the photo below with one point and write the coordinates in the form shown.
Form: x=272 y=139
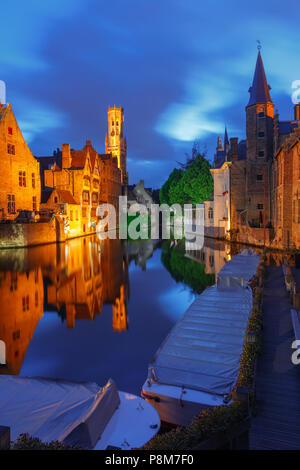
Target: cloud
x=180 y=69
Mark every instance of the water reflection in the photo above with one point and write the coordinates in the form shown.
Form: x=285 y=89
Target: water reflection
x=90 y=273
x=21 y=295
x=90 y=309
x=73 y=280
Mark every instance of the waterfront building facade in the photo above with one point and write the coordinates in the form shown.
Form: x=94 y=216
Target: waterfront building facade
x=20 y=188
x=259 y=175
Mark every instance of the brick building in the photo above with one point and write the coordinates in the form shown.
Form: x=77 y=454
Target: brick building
x=115 y=141
x=261 y=173
x=20 y=187
x=82 y=179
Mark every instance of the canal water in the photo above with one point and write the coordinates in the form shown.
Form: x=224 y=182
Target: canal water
x=92 y=309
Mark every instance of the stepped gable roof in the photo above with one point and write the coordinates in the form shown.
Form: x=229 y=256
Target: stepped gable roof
x=93 y=153
x=3 y=109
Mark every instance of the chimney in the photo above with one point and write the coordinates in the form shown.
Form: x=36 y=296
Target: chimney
x=297 y=112
x=234 y=149
x=66 y=156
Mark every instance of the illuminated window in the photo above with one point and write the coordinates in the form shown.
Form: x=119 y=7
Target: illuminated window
x=86 y=196
x=33 y=180
x=22 y=178
x=9 y=131
x=95 y=197
x=11 y=208
x=11 y=149
x=34 y=203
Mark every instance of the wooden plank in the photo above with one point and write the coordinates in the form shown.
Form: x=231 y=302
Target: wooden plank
x=277 y=424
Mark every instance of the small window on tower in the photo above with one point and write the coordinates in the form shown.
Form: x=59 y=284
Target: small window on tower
x=112 y=133
x=259 y=177
x=10 y=131
x=261 y=134
x=112 y=123
x=117 y=123
x=261 y=153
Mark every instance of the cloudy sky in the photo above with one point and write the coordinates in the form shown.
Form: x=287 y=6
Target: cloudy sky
x=180 y=68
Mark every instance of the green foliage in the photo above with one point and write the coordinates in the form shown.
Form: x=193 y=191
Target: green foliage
x=171 y=182
x=184 y=269
x=209 y=423
x=193 y=184
x=27 y=442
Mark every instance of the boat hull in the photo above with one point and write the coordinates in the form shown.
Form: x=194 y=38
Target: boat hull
x=176 y=406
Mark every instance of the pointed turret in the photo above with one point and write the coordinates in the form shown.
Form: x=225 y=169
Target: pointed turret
x=226 y=142
x=219 y=144
x=259 y=91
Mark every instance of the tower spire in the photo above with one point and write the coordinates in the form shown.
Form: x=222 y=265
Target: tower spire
x=226 y=141
x=259 y=91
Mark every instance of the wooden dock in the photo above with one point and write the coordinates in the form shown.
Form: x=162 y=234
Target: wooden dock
x=277 y=421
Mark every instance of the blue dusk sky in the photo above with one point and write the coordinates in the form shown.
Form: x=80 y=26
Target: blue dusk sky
x=180 y=68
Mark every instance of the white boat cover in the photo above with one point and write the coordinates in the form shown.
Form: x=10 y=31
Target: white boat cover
x=239 y=271
x=73 y=413
x=202 y=352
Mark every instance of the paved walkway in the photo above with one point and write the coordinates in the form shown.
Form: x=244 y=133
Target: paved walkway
x=277 y=424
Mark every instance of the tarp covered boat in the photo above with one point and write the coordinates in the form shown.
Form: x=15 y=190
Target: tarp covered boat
x=78 y=414
x=198 y=363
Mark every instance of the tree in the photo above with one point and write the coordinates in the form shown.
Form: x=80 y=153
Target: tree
x=197 y=181
x=173 y=179
x=192 y=184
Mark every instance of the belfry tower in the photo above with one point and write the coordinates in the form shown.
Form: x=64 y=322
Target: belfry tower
x=115 y=142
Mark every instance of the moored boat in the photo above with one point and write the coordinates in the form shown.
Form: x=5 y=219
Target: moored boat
x=197 y=365
x=77 y=414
